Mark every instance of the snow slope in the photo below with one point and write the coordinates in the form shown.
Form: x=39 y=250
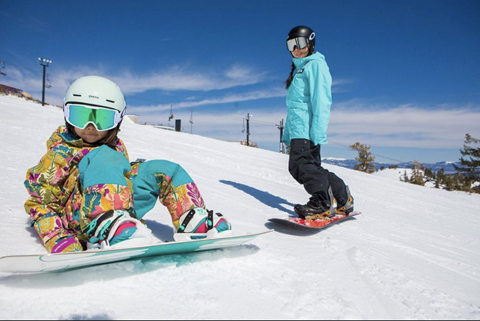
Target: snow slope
x=412 y=254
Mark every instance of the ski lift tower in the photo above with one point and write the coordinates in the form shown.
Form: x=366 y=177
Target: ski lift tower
x=3 y=69
x=191 y=122
x=171 y=114
x=248 y=128
x=281 y=126
x=44 y=62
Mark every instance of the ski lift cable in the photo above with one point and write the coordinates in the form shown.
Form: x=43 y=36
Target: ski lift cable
x=198 y=111
x=236 y=117
x=374 y=154
x=48 y=84
x=21 y=67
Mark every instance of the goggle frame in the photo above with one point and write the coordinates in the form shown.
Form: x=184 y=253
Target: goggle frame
x=102 y=118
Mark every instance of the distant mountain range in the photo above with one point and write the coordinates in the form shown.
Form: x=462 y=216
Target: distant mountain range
x=350 y=163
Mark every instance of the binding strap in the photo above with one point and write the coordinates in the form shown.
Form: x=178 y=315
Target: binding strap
x=209 y=220
x=189 y=216
x=100 y=228
x=91 y=228
x=187 y=220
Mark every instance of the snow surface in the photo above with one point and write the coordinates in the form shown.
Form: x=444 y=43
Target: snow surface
x=414 y=253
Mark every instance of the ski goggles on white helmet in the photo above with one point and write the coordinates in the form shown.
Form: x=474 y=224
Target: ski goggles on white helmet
x=102 y=118
x=299 y=43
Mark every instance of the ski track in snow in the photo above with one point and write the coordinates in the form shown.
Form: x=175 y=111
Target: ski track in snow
x=412 y=254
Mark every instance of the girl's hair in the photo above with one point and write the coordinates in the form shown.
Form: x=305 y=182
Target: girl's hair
x=110 y=140
x=290 y=77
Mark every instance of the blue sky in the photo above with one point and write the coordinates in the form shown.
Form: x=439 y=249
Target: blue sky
x=406 y=73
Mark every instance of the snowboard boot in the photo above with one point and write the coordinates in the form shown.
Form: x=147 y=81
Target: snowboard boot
x=115 y=229
x=348 y=207
x=199 y=223
x=316 y=208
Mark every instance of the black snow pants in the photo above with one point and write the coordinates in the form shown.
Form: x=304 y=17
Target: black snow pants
x=305 y=165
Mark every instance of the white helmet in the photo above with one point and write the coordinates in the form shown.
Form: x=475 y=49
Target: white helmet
x=97 y=91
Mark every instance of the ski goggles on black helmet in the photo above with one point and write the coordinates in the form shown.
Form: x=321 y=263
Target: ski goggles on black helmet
x=102 y=118
x=297 y=43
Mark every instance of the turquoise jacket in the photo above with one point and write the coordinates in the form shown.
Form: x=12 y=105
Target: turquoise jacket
x=309 y=98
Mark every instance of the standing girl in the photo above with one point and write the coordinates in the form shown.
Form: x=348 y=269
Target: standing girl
x=84 y=193
x=308 y=113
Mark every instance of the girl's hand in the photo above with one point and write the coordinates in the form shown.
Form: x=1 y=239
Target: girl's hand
x=62 y=243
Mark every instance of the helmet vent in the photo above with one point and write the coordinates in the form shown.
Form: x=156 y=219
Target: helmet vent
x=96 y=91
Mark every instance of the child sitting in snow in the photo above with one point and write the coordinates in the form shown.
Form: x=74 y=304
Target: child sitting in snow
x=85 y=194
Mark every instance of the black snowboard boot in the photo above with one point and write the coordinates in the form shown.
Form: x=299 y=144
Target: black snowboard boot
x=316 y=208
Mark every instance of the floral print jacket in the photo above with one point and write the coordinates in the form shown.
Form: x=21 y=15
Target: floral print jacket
x=56 y=202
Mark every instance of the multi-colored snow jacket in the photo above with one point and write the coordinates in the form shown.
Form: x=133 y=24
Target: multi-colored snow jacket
x=56 y=199
x=308 y=101
x=75 y=182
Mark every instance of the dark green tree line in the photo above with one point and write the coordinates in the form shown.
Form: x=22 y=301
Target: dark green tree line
x=467 y=177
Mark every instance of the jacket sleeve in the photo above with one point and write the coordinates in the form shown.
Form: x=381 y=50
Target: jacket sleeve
x=320 y=83
x=44 y=184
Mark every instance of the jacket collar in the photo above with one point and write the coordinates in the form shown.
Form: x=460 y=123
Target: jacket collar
x=300 y=62
x=63 y=135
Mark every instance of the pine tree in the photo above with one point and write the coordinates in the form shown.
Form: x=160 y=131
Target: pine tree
x=440 y=182
x=448 y=183
x=437 y=183
x=417 y=174
x=364 y=157
x=470 y=160
x=429 y=175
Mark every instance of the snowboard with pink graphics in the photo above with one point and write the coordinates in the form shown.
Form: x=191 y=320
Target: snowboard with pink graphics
x=313 y=224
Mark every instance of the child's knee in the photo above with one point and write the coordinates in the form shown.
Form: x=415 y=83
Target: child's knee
x=173 y=171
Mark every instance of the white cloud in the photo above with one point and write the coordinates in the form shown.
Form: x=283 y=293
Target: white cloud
x=228 y=98
x=405 y=126
x=440 y=126
x=177 y=78
x=401 y=126
x=173 y=79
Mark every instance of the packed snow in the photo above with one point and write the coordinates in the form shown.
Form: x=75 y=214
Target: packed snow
x=412 y=254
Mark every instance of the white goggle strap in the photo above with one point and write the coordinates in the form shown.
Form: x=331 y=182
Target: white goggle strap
x=119 y=116
x=65 y=111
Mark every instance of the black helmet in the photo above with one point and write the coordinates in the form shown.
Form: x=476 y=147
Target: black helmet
x=306 y=32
